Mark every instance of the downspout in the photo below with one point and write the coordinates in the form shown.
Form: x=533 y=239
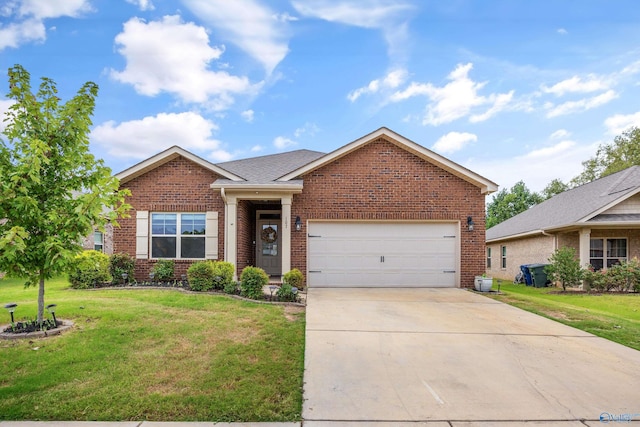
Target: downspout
x=555 y=239
x=224 y=199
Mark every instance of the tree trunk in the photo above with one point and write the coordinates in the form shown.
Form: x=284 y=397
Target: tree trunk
x=41 y=299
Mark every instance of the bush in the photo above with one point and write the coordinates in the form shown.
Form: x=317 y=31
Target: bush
x=294 y=278
x=89 y=267
x=252 y=280
x=200 y=276
x=564 y=268
x=222 y=275
x=285 y=293
x=164 y=269
x=231 y=288
x=121 y=263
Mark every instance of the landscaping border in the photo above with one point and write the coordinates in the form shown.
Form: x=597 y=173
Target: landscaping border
x=65 y=326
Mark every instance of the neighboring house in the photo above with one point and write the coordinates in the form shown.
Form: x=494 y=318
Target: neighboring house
x=601 y=220
x=100 y=241
x=379 y=211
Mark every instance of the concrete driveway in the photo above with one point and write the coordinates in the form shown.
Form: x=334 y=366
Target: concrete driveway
x=452 y=357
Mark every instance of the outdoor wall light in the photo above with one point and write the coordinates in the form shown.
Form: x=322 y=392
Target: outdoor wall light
x=298 y=224
x=470 y=223
x=11 y=307
x=51 y=308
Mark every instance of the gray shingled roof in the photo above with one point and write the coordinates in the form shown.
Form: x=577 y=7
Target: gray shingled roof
x=573 y=206
x=266 y=169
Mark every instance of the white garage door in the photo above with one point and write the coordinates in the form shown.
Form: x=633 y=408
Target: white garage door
x=350 y=254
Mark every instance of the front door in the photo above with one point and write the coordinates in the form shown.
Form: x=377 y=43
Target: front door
x=269 y=256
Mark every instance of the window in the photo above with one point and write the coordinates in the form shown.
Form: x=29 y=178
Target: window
x=98 y=241
x=503 y=252
x=178 y=235
x=488 y=257
x=607 y=252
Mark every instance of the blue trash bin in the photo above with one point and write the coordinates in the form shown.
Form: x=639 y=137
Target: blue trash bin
x=528 y=280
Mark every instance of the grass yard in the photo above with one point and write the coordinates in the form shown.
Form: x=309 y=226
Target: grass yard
x=611 y=316
x=152 y=355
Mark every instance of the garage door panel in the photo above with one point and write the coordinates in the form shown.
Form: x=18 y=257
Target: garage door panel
x=382 y=254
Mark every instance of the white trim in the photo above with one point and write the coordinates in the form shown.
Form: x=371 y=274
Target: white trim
x=484 y=184
x=165 y=157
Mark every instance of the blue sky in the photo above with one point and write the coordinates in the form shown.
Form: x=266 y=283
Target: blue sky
x=512 y=89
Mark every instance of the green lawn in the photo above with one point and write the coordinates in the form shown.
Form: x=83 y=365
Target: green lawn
x=152 y=355
x=611 y=316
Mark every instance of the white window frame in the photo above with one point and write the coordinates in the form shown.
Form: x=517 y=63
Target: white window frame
x=489 y=257
x=95 y=241
x=178 y=236
x=503 y=257
x=605 y=250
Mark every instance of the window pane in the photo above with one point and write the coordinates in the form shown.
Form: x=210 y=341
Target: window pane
x=617 y=248
x=192 y=224
x=163 y=223
x=192 y=247
x=163 y=247
x=97 y=237
x=596 y=248
x=596 y=263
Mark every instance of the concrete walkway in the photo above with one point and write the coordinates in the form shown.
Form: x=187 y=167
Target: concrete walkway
x=449 y=357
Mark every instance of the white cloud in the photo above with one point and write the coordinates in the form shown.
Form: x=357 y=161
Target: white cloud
x=456 y=99
x=281 y=142
x=560 y=133
x=247 y=115
x=220 y=155
x=27 y=19
x=454 y=141
x=172 y=56
x=562 y=31
x=572 y=107
x=54 y=8
x=392 y=80
x=541 y=165
x=576 y=84
x=309 y=129
x=139 y=139
x=284 y=17
x=257 y=148
x=248 y=24
x=618 y=123
x=389 y=16
x=142 y=4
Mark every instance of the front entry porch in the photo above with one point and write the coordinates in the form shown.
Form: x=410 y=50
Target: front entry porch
x=258 y=231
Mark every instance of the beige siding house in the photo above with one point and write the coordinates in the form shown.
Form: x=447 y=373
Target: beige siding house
x=601 y=220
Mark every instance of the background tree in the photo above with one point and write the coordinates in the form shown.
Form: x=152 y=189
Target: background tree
x=509 y=203
x=553 y=188
x=611 y=158
x=53 y=192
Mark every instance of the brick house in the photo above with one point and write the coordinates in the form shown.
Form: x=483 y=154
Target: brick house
x=379 y=211
x=600 y=220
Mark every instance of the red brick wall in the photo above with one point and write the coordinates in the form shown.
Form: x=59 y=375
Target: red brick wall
x=177 y=186
x=381 y=181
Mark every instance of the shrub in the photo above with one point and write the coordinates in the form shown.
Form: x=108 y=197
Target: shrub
x=285 y=292
x=222 y=274
x=164 y=269
x=564 y=267
x=625 y=276
x=231 y=288
x=121 y=263
x=252 y=280
x=294 y=278
x=200 y=276
x=89 y=267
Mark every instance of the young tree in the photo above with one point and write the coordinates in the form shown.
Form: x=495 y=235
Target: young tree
x=507 y=204
x=611 y=158
x=53 y=192
x=564 y=268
